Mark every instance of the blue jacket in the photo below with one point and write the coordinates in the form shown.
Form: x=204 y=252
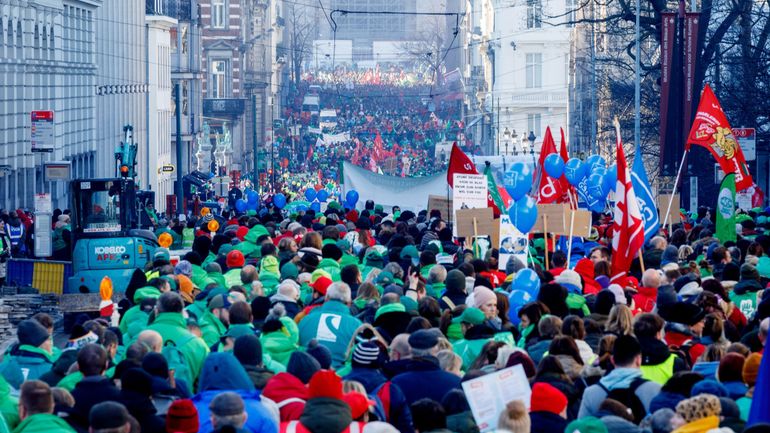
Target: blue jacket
x=333 y=326
x=222 y=372
x=424 y=378
x=546 y=422
x=370 y=378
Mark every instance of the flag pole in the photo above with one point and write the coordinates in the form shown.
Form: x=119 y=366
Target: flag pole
x=676 y=185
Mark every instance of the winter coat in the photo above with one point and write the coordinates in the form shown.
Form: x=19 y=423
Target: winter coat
x=173 y=327
x=88 y=393
x=546 y=422
x=25 y=362
x=707 y=369
x=212 y=329
x=326 y=415
x=645 y=299
x=249 y=246
x=223 y=372
x=573 y=391
x=462 y=422
x=456 y=298
x=470 y=347
x=233 y=278
x=735 y=390
x=370 y=378
x=43 y=423
x=332 y=267
x=283 y=387
x=135 y=313
x=618 y=378
x=538 y=349
x=259 y=376
x=280 y=344
x=141 y=407
x=333 y=326
x=424 y=378
x=9 y=405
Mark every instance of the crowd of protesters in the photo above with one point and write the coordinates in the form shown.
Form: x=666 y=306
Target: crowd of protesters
x=372 y=320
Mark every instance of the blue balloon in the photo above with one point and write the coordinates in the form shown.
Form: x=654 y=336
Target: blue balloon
x=352 y=197
x=252 y=206
x=554 y=165
x=279 y=200
x=575 y=171
x=518 y=297
x=611 y=178
x=310 y=194
x=518 y=180
x=513 y=315
x=315 y=206
x=596 y=187
x=594 y=161
x=302 y=208
x=240 y=205
x=322 y=195
x=523 y=214
x=528 y=281
x=252 y=197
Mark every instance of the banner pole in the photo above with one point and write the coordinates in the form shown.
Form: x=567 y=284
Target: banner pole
x=571 y=232
x=545 y=237
x=676 y=185
x=641 y=258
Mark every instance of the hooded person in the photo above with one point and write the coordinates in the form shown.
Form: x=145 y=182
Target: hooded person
x=248 y=350
x=585 y=269
x=289 y=389
x=576 y=303
x=136 y=312
x=250 y=246
x=326 y=410
x=335 y=309
x=31 y=357
x=366 y=365
x=215 y=319
x=287 y=295
x=222 y=372
x=455 y=293
x=269 y=274
x=330 y=262
x=475 y=335
x=280 y=335
x=744 y=294
x=730 y=375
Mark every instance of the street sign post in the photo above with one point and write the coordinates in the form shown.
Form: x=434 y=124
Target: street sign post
x=42 y=131
x=747 y=139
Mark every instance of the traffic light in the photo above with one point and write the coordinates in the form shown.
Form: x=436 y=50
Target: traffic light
x=126 y=154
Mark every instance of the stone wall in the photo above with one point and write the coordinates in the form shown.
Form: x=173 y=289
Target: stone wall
x=15 y=308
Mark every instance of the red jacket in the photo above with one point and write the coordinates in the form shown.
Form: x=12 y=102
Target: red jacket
x=645 y=299
x=297 y=427
x=585 y=267
x=677 y=340
x=289 y=393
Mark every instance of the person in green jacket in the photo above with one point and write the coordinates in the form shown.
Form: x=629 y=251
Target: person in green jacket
x=250 y=247
x=164 y=228
x=215 y=319
x=576 y=303
x=331 y=324
x=280 y=335
x=269 y=274
x=475 y=335
x=330 y=263
x=235 y=262
x=9 y=405
x=135 y=313
x=31 y=357
x=36 y=410
x=172 y=326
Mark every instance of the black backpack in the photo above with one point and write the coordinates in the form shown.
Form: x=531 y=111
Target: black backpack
x=628 y=397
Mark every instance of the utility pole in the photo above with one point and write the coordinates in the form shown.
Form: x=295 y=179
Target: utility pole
x=638 y=81
x=255 y=172
x=179 y=189
x=593 y=80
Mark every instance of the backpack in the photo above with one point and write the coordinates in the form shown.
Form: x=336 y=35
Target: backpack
x=382 y=400
x=177 y=362
x=628 y=397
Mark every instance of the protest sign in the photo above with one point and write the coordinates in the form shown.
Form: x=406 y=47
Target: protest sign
x=673 y=216
x=488 y=395
x=512 y=242
x=469 y=192
x=440 y=203
x=485 y=224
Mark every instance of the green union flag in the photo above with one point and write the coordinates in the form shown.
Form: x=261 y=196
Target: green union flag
x=492 y=190
x=725 y=230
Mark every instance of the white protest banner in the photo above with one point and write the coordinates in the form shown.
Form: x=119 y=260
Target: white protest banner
x=469 y=192
x=488 y=394
x=512 y=242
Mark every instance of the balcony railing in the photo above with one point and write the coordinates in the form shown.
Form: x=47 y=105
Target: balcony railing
x=179 y=9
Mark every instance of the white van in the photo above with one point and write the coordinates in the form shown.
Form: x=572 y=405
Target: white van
x=327 y=120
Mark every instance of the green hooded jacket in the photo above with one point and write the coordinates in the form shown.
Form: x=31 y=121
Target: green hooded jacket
x=249 y=246
x=9 y=405
x=333 y=326
x=25 y=363
x=332 y=267
x=212 y=329
x=173 y=327
x=233 y=278
x=281 y=344
x=135 y=312
x=199 y=277
x=43 y=423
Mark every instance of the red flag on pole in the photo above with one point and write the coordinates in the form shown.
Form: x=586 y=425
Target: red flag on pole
x=458 y=163
x=549 y=189
x=566 y=188
x=628 y=224
x=712 y=131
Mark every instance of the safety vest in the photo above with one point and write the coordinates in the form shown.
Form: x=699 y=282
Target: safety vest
x=296 y=427
x=15 y=233
x=188 y=236
x=659 y=373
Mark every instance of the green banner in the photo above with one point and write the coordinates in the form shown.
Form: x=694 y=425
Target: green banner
x=492 y=190
x=725 y=230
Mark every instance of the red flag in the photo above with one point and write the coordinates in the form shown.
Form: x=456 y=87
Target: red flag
x=549 y=190
x=458 y=163
x=628 y=224
x=712 y=131
x=566 y=188
x=461 y=164
x=309 y=153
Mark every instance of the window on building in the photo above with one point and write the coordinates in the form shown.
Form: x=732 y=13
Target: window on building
x=219 y=14
x=571 y=12
x=533 y=124
x=534 y=14
x=220 y=69
x=534 y=70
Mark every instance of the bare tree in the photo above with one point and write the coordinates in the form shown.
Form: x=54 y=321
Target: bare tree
x=429 y=50
x=302 y=30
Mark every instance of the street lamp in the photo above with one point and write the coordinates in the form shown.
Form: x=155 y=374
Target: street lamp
x=506 y=138
x=531 y=139
x=514 y=139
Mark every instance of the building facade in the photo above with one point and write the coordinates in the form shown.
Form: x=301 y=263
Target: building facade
x=532 y=71
x=47 y=62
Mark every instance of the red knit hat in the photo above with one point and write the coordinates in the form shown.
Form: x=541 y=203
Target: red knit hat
x=325 y=383
x=241 y=232
x=235 y=259
x=321 y=285
x=182 y=417
x=359 y=404
x=546 y=398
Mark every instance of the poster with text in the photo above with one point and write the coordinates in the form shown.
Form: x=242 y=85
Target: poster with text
x=512 y=243
x=469 y=192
